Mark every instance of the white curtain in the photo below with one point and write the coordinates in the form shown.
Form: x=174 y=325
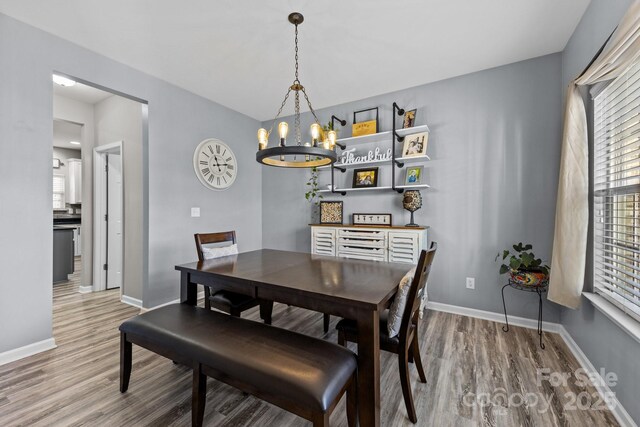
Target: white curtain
x=572 y=208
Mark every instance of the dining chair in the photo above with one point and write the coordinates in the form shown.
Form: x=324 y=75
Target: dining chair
x=406 y=343
x=221 y=299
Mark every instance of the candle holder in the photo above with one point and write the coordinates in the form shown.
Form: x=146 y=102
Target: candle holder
x=412 y=201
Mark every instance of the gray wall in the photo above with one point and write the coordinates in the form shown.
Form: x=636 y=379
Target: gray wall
x=178 y=121
x=120 y=119
x=494 y=145
x=604 y=343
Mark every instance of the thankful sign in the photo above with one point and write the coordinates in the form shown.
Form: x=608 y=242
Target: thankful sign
x=350 y=157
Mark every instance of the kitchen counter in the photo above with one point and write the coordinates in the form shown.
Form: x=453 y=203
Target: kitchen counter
x=63 y=252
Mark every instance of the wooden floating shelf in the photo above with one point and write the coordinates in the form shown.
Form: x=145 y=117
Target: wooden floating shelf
x=412 y=187
x=348 y=190
x=412 y=159
x=382 y=136
x=398 y=187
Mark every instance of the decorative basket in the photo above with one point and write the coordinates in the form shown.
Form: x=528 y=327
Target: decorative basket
x=529 y=278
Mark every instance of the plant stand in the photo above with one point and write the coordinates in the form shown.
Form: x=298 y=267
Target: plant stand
x=537 y=289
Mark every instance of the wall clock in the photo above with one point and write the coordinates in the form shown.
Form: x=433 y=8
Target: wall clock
x=215 y=164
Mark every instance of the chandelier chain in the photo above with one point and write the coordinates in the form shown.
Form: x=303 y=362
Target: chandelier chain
x=297 y=118
x=310 y=107
x=297 y=80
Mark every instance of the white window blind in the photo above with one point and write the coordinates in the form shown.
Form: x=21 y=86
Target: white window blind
x=616 y=269
x=58 y=192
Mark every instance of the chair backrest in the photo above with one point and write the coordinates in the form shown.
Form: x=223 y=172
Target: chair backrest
x=208 y=238
x=418 y=284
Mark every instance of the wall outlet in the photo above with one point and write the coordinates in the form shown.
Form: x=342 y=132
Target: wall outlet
x=195 y=212
x=471 y=283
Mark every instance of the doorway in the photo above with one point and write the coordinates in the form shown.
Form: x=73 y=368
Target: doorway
x=108 y=217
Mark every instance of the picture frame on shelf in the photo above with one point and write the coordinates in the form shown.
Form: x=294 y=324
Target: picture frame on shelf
x=331 y=212
x=409 y=119
x=414 y=175
x=373 y=219
x=365 y=178
x=368 y=127
x=415 y=144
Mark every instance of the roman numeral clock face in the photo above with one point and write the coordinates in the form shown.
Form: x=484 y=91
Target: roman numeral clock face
x=215 y=164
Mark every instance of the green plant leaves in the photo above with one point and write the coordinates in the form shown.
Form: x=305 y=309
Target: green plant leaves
x=522 y=258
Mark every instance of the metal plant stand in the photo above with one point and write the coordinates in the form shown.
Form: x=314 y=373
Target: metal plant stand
x=537 y=289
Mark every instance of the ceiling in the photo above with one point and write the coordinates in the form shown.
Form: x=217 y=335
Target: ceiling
x=64 y=131
x=240 y=53
x=82 y=93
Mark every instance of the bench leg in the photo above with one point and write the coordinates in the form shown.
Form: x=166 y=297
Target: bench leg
x=352 y=403
x=198 y=397
x=341 y=338
x=125 y=362
x=266 y=309
x=207 y=294
x=326 y=320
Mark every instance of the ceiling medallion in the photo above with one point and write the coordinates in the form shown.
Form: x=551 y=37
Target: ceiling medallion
x=320 y=151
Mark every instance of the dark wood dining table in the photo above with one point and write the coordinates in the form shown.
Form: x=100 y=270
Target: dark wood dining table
x=348 y=288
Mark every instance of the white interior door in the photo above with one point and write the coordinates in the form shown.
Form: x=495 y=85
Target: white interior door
x=114 y=221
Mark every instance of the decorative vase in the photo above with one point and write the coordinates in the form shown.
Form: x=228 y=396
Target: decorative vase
x=412 y=201
x=529 y=278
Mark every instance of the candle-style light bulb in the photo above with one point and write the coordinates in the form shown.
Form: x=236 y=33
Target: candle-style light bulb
x=263 y=138
x=332 y=137
x=315 y=133
x=283 y=129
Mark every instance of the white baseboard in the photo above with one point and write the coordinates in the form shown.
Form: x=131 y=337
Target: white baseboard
x=601 y=386
x=618 y=411
x=175 y=301
x=494 y=317
x=131 y=301
x=85 y=289
x=27 y=350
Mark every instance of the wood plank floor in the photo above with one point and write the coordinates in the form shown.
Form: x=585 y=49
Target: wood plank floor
x=76 y=384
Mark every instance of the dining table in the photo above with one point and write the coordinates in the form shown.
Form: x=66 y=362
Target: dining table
x=349 y=288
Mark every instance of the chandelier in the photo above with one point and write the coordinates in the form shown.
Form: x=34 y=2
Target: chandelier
x=322 y=148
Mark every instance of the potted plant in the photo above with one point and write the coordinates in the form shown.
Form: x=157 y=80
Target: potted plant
x=523 y=267
x=312 y=195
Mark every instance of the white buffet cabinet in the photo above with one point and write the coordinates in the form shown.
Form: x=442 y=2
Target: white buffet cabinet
x=393 y=244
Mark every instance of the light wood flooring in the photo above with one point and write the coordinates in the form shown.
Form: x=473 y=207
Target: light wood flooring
x=76 y=384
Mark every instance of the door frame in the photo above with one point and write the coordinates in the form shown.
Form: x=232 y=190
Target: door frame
x=100 y=209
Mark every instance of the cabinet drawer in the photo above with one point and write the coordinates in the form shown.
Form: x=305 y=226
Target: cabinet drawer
x=364 y=243
x=367 y=234
x=376 y=254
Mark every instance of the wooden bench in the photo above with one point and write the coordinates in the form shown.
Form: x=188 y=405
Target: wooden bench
x=301 y=374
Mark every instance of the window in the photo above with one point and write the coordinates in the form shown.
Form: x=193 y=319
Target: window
x=58 y=192
x=616 y=264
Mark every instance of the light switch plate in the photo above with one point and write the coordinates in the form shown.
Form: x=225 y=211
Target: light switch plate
x=195 y=212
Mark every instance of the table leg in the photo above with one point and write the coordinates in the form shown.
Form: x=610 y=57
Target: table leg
x=369 y=368
x=504 y=306
x=540 y=318
x=188 y=289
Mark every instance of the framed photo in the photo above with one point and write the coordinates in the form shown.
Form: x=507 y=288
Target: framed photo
x=409 y=120
x=414 y=175
x=372 y=219
x=366 y=177
x=415 y=145
x=331 y=212
x=367 y=127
